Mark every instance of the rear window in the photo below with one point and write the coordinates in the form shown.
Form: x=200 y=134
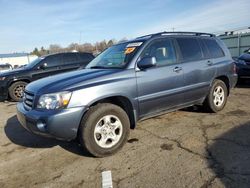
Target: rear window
x=214 y=48
x=190 y=49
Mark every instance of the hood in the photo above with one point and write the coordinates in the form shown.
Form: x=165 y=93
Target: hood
x=70 y=81
x=12 y=72
x=245 y=57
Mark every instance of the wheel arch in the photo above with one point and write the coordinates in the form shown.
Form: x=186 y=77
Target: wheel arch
x=225 y=79
x=11 y=82
x=123 y=102
x=18 y=80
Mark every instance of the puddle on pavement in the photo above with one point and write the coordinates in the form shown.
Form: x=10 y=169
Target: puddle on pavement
x=237 y=113
x=132 y=140
x=167 y=147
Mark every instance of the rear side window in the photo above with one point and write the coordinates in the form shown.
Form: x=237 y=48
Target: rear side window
x=190 y=49
x=70 y=58
x=214 y=48
x=204 y=48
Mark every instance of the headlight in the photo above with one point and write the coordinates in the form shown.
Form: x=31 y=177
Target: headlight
x=2 y=78
x=54 y=100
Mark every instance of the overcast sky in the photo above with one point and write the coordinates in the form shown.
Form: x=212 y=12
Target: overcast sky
x=26 y=24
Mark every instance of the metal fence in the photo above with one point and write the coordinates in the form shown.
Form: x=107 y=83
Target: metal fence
x=237 y=43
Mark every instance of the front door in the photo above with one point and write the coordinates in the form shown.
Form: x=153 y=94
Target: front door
x=159 y=87
x=53 y=66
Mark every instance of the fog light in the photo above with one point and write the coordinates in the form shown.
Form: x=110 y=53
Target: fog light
x=41 y=126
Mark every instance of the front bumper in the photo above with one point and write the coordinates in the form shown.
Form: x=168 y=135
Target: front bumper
x=243 y=71
x=60 y=124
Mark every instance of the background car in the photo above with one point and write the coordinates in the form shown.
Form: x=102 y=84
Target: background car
x=243 y=65
x=5 y=67
x=12 y=83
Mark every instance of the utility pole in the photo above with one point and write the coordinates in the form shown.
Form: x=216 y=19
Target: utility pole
x=80 y=37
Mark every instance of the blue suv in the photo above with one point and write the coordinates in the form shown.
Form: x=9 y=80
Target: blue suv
x=128 y=82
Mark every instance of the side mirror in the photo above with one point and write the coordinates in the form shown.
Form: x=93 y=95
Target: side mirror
x=146 y=62
x=42 y=66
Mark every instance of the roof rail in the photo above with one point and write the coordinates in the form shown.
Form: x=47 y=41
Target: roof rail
x=177 y=33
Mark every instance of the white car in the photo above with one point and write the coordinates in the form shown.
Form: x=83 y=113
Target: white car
x=5 y=67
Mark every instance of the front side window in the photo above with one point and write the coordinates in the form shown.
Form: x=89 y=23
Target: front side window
x=190 y=49
x=162 y=50
x=53 y=61
x=117 y=56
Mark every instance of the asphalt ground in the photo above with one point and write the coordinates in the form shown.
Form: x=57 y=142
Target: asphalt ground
x=186 y=148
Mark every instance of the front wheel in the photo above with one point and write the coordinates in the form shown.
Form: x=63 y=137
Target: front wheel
x=104 y=129
x=16 y=90
x=217 y=97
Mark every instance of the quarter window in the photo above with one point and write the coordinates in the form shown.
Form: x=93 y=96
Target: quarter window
x=190 y=49
x=213 y=48
x=162 y=50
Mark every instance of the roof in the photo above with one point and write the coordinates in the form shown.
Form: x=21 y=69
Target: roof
x=176 y=33
x=146 y=37
x=13 y=55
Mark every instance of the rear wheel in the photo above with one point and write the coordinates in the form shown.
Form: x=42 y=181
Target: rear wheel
x=104 y=129
x=16 y=90
x=217 y=97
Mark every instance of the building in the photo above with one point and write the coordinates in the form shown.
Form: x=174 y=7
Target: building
x=236 y=41
x=17 y=59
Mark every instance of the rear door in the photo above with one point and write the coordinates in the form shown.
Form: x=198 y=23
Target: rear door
x=159 y=87
x=53 y=66
x=197 y=67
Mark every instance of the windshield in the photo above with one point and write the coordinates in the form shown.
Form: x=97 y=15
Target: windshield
x=117 y=56
x=34 y=62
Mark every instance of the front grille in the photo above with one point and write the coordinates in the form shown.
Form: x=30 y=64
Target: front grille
x=28 y=100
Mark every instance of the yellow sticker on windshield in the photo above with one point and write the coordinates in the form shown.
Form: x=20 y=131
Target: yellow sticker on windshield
x=129 y=50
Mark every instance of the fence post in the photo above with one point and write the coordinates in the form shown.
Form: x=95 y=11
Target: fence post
x=239 y=38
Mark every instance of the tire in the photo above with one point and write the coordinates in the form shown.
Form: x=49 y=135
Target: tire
x=217 y=97
x=95 y=135
x=16 y=90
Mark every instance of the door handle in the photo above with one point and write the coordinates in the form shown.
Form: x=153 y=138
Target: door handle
x=209 y=63
x=177 y=69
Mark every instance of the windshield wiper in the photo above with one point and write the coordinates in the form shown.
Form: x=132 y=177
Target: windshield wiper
x=98 y=67
x=103 y=67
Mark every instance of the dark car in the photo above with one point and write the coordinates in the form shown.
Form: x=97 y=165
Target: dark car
x=126 y=83
x=243 y=65
x=12 y=83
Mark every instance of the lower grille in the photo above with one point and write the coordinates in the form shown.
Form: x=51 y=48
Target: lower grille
x=28 y=100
